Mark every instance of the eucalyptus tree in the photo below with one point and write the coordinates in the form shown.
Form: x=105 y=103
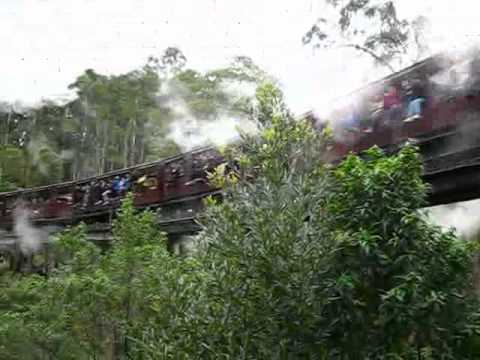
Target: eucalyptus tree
x=313 y=261
x=121 y=120
x=371 y=27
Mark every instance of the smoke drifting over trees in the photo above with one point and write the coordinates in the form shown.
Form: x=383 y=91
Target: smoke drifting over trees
x=121 y=120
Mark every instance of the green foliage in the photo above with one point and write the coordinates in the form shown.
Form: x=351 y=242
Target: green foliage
x=93 y=304
x=121 y=120
x=396 y=284
x=315 y=262
x=12 y=166
x=371 y=27
x=5 y=185
x=300 y=261
x=216 y=93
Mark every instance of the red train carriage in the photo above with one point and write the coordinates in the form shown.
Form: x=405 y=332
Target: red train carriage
x=446 y=106
x=152 y=184
x=185 y=176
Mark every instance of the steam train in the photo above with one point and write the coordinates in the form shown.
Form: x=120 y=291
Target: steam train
x=176 y=183
x=154 y=184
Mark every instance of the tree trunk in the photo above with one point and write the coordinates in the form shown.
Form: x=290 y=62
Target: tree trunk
x=7 y=130
x=125 y=151
x=104 y=146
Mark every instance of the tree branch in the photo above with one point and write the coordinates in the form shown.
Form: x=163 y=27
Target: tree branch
x=371 y=53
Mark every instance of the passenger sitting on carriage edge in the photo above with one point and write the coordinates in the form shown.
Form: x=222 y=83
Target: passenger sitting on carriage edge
x=392 y=105
x=96 y=193
x=116 y=186
x=351 y=119
x=415 y=100
x=124 y=185
x=106 y=191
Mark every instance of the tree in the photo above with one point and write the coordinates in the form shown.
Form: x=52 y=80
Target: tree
x=102 y=305
x=371 y=27
x=122 y=120
x=118 y=121
x=5 y=185
x=300 y=260
x=171 y=62
x=310 y=261
x=393 y=276
x=114 y=113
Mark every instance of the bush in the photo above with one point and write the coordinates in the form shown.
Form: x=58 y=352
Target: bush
x=94 y=305
x=310 y=261
x=300 y=260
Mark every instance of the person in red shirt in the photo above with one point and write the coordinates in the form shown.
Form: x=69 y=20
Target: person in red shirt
x=392 y=105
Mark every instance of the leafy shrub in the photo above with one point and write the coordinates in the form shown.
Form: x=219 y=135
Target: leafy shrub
x=300 y=260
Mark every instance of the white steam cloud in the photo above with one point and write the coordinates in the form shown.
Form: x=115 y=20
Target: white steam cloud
x=463 y=217
x=29 y=239
x=188 y=132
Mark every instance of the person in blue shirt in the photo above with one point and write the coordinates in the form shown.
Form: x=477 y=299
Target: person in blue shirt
x=116 y=183
x=124 y=185
x=416 y=99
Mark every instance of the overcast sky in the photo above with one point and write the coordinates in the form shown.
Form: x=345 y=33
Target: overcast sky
x=47 y=43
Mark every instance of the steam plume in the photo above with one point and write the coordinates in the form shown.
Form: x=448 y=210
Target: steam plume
x=463 y=217
x=29 y=238
x=188 y=131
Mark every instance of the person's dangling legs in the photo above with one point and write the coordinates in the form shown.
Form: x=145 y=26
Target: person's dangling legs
x=414 y=109
x=394 y=122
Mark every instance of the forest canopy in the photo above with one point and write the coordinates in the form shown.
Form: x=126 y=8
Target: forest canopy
x=117 y=121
